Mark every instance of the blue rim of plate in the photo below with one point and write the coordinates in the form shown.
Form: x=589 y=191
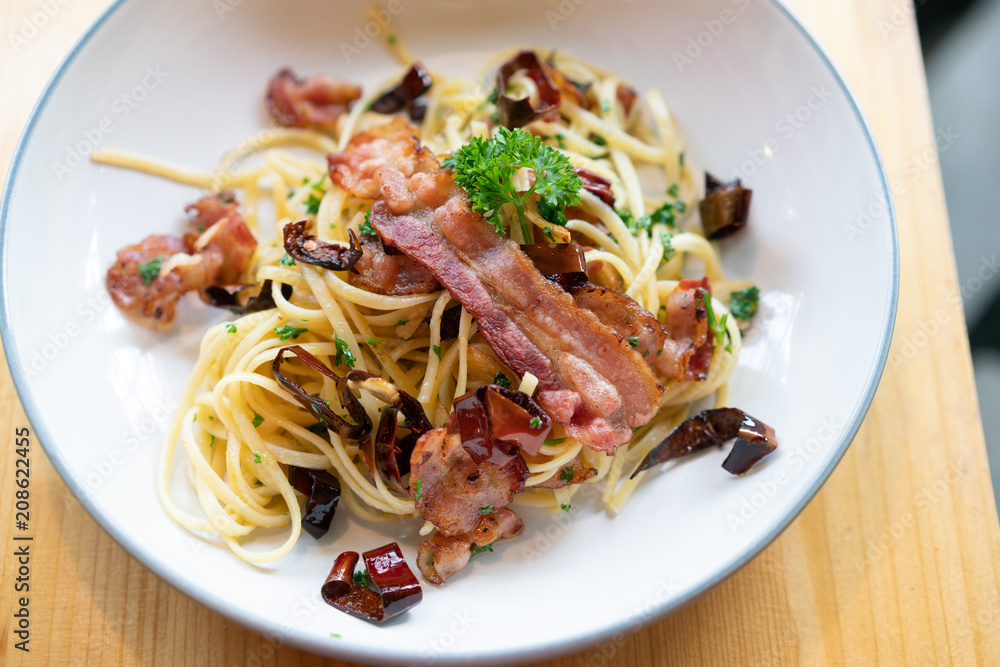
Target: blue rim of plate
x=303 y=642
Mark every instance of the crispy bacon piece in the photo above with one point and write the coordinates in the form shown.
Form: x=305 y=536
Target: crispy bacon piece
x=453 y=487
x=442 y=555
x=392 y=144
x=590 y=380
x=687 y=353
x=573 y=472
x=218 y=253
x=681 y=350
x=394 y=275
x=315 y=102
x=627 y=96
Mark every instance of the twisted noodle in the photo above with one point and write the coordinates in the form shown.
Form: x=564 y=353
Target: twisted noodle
x=239 y=429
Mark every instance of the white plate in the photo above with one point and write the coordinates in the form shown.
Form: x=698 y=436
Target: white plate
x=184 y=81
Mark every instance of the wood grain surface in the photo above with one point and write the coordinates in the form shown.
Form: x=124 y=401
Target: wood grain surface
x=896 y=560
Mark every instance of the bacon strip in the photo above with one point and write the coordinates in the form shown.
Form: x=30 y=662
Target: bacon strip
x=680 y=350
x=441 y=556
x=217 y=253
x=315 y=102
x=453 y=488
x=590 y=380
x=394 y=275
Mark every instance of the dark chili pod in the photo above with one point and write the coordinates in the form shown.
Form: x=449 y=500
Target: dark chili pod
x=492 y=414
x=514 y=113
x=227 y=296
x=725 y=208
x=394 y=580
x=597 y=185
x=316 y=405
x=306 y=248
x=754 y=439
x=340 y=591
x=398 y=588
x=415 y=83
x=381 y=455
x=562 y=263
x=322 y=491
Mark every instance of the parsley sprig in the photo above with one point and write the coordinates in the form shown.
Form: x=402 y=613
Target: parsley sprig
x=486 y=168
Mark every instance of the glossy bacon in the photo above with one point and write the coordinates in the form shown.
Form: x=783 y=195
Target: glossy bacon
x=218 y=253
x=441 y=556
x=392 y=144
x=314 y=102
x=394 y=275
x=679 y=350
x=590 y=380
x=453 y=488
x=687 y=352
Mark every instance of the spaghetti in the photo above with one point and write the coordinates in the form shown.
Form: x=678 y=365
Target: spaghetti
x=240 y=431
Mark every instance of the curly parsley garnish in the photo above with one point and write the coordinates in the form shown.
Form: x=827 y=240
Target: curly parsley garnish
x=418 y=490
x=366 y=228
x=501 y=380
x=566 y=474
x=486 y=168
x=361 y=578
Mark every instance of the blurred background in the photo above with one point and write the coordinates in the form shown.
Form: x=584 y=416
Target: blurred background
x=961 y=44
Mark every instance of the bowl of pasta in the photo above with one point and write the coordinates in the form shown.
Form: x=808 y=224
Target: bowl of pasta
x=483 y=295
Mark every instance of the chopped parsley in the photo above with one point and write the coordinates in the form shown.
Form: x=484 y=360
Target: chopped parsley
x=536 y=422
x=288 y=331
x=418 y=490
x=335 y=635
x=374 y=341
x=318 y=429
x=151 y=269
x=557 y=441
x=605 y=106
x=718 y=327
x=257 y=421
x=547 y=231
x=312 y=204
x=286 y=260
x=668 y=245
x=486 y=168
x=501 y=380
x=565 y=507
x=256 y=457
x=437 y=350
x=680 y=158
x=674 y=190
x=633 y=341
x=391 y=39
x=561 y=140
x=258 y=483
x=366 y=228
x=402 y=322
x=344 y=354
x=486 y=510
x=361 y=578
x=744 y=304
x=598 y=139
x=476 y=549
x=231 y=328
x=566 y=474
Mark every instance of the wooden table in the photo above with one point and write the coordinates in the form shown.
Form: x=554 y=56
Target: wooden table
x=896 y=560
